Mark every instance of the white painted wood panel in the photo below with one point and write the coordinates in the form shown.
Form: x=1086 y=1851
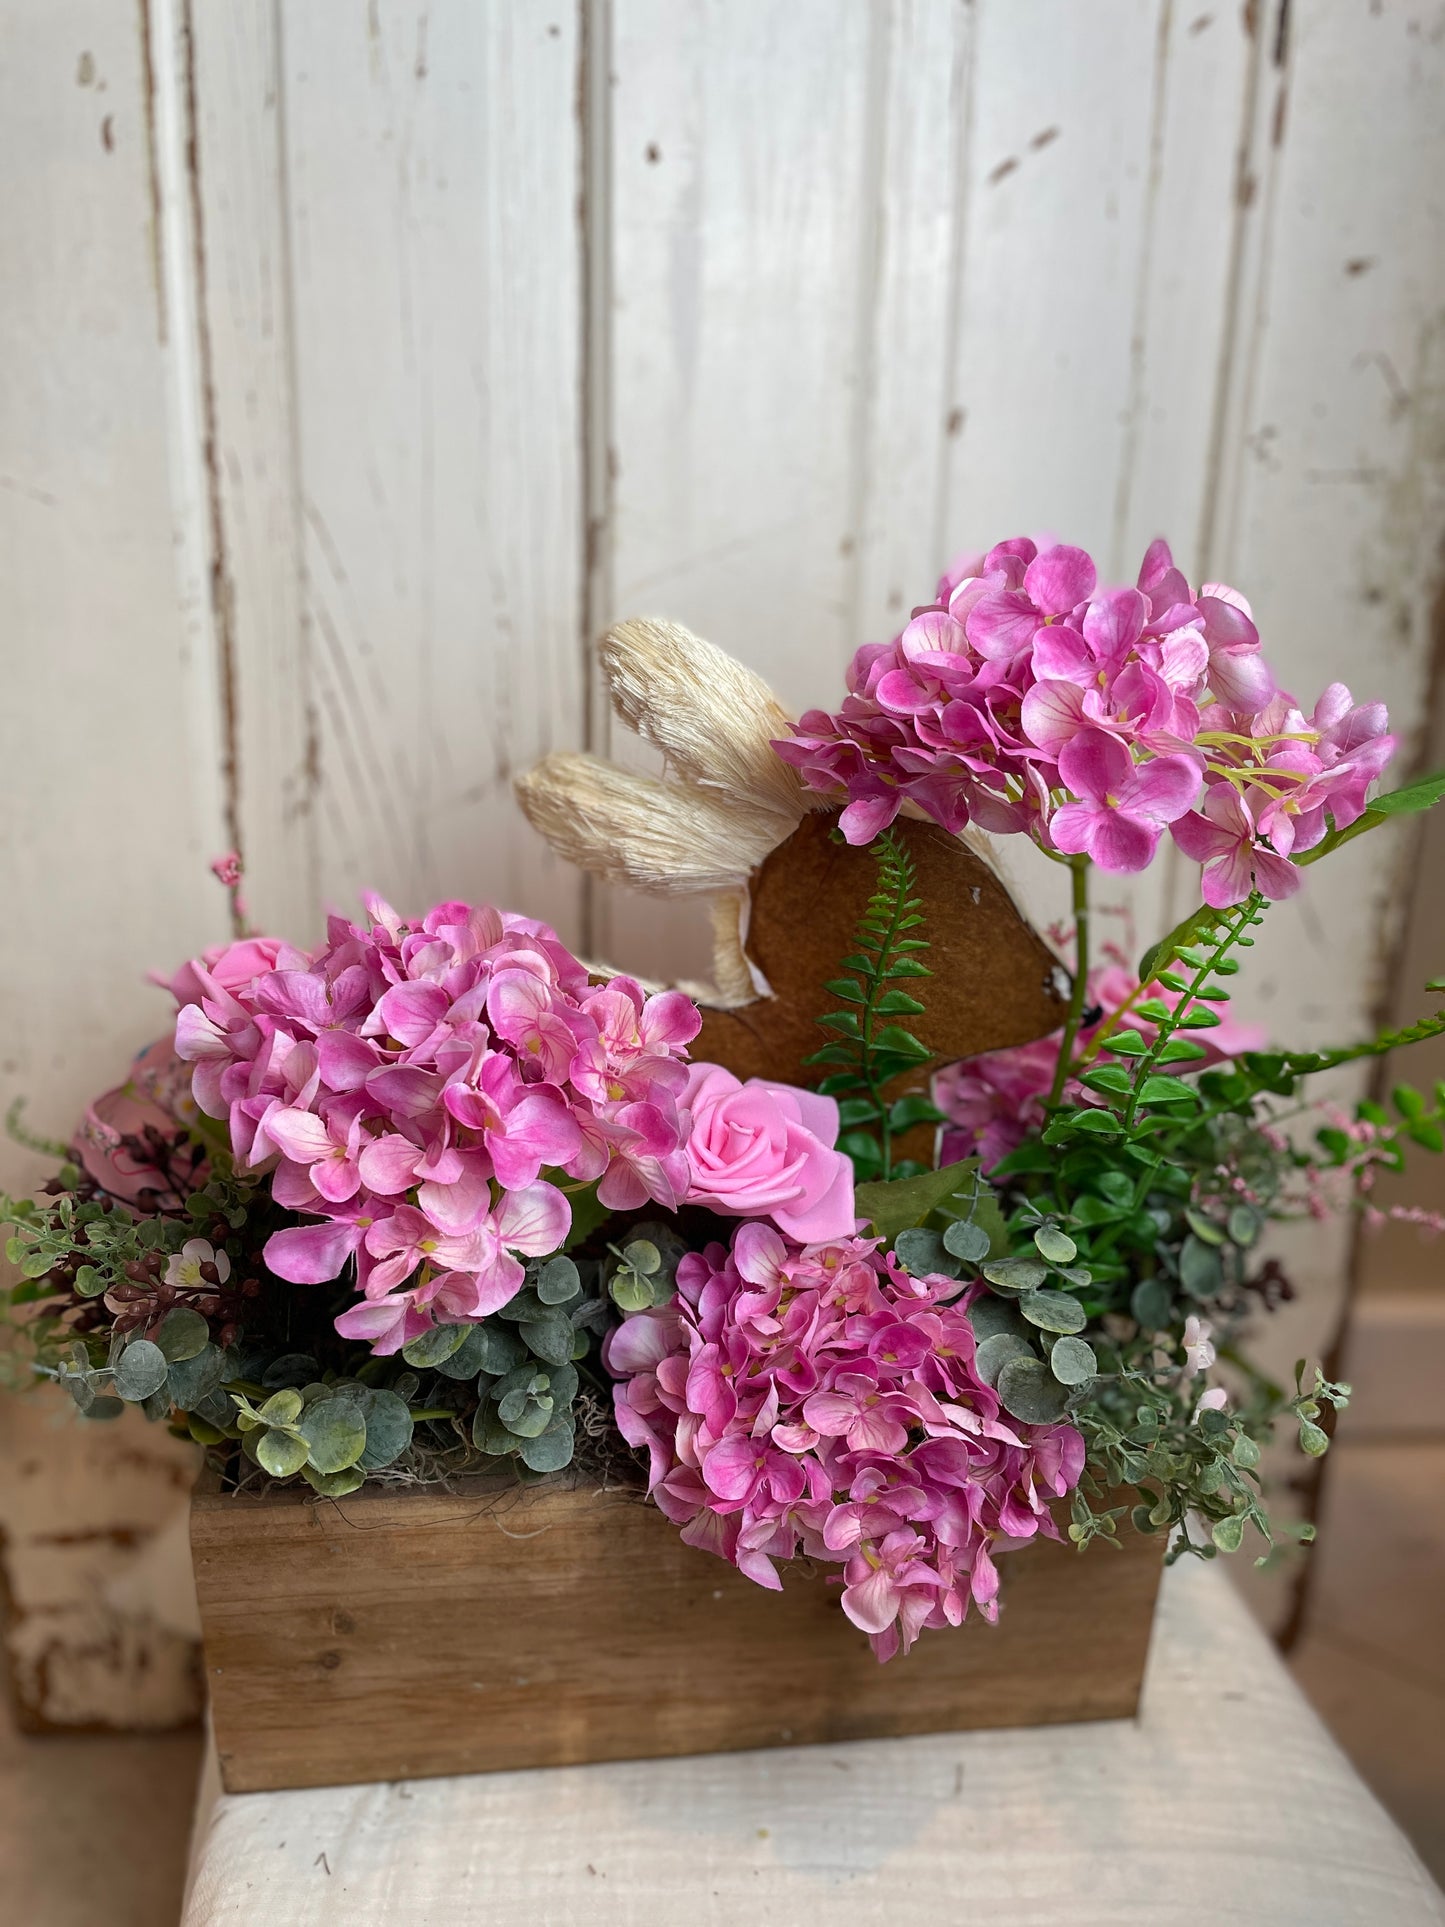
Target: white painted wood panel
x=109 y=740
x=431 y=185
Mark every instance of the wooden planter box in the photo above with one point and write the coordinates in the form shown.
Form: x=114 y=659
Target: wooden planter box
x=397 y=1635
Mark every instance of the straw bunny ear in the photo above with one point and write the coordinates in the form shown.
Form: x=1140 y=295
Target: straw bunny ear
x=654 y=836
x=713 y=719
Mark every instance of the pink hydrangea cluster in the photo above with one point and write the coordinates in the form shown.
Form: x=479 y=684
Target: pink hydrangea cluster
x=1027 y=699
x=817 y=1399
x=994 y=1102
x=413 y=1082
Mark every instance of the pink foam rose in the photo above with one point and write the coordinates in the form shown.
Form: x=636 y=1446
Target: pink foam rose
x=766 y=1150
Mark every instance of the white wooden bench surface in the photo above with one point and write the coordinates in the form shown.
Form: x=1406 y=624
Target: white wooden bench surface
x=1225 y=1803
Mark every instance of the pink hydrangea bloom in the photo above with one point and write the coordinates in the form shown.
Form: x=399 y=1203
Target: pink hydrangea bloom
x=417 y=1089
x=816 y=1399
x=1093 y=723
x=994 y=1102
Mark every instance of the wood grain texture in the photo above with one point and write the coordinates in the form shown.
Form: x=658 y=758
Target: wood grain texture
x=995 y=981
x=404 y=1635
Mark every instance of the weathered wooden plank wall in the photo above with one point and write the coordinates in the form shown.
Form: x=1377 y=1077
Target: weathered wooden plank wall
x=364 y=359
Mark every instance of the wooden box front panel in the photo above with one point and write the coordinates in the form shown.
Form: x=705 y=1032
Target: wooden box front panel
x=399 y=1635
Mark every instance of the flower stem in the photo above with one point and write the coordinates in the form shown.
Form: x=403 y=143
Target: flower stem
x=1079 y=994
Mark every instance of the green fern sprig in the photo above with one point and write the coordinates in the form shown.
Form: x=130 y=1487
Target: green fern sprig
x=868 y=1047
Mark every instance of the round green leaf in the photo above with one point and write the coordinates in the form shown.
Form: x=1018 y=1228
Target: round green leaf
x=551 y=1338
x=501 y=1349
x=1152 y=1304
x=559 y=1281
x=466 y=1361
x=183 y=1334
x=1030 y=1391
x=140 y=1370
x=525 y=1413
x=81 y=1387
x=1227 y=1533
x=489 y=1435
x=1072 y=1361
x=966 y=1240
x=106 y=1408
x=996 y=1351
x=1055 y=1245
x=291 y=1368
x=1200 y=1269
x=435 y=1345
x=629 y=1291
x=280 y=1454
x=89 y=1283
x=1245 y=1225
x=641 y=1255
x=988 y=1315
x=1015 y=1274
x=1245 y=1452
x=550 y=1450
x=562 y=1384
x=1053 y=1311
x=335 y=1433
x=192 y=1379
x=924 y=1253
x=282 y=1408
x=388 y=1427
x=333 y=1485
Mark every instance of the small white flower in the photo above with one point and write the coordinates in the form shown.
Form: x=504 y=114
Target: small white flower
x=183 y=1271
x=1214 y=1400
x=1198 y=1352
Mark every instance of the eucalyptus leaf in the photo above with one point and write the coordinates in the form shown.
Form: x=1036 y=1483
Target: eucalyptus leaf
x=335 y=1433
x=140 y=1370
x=106 y=1407
x=1072 y=1361
x=469 y=1357
x=1030 y=1391
x=1200 y=1269
x=282 y=1408
x=966 y=1240
x=489 y=1435
x=1244 y=1225
x=558 y=1282
x=526 y=1414
x=549 y=1451
x=334 y=1485
x=1015 y=1274
x=388 y=1427
x=1053 y=1311
x=432 y=1346
x=190 y=1380
x=280 y=1454
x=995 y=1352
x=924 y=1253
x=641 y=1255
x=1152 y=1304
x=291 y=1368
x=550 y=1338
x=183 y=1334
x=629 y=1291
x=988 y=1314
x=1055 y=1245
x=501 y=1350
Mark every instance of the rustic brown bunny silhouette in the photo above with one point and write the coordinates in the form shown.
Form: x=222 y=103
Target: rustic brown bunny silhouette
x=731 y=820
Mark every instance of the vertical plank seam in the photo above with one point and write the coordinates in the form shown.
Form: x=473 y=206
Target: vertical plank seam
x=311 y=775
x=1205 y=558
x=1138 y=341
x=153 y=165
x=961 y=103
x=596 y=454
x=884 y=27
x=220 y=585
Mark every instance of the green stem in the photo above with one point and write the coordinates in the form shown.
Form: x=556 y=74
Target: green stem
x=1078 y=996
x=1245 y=919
